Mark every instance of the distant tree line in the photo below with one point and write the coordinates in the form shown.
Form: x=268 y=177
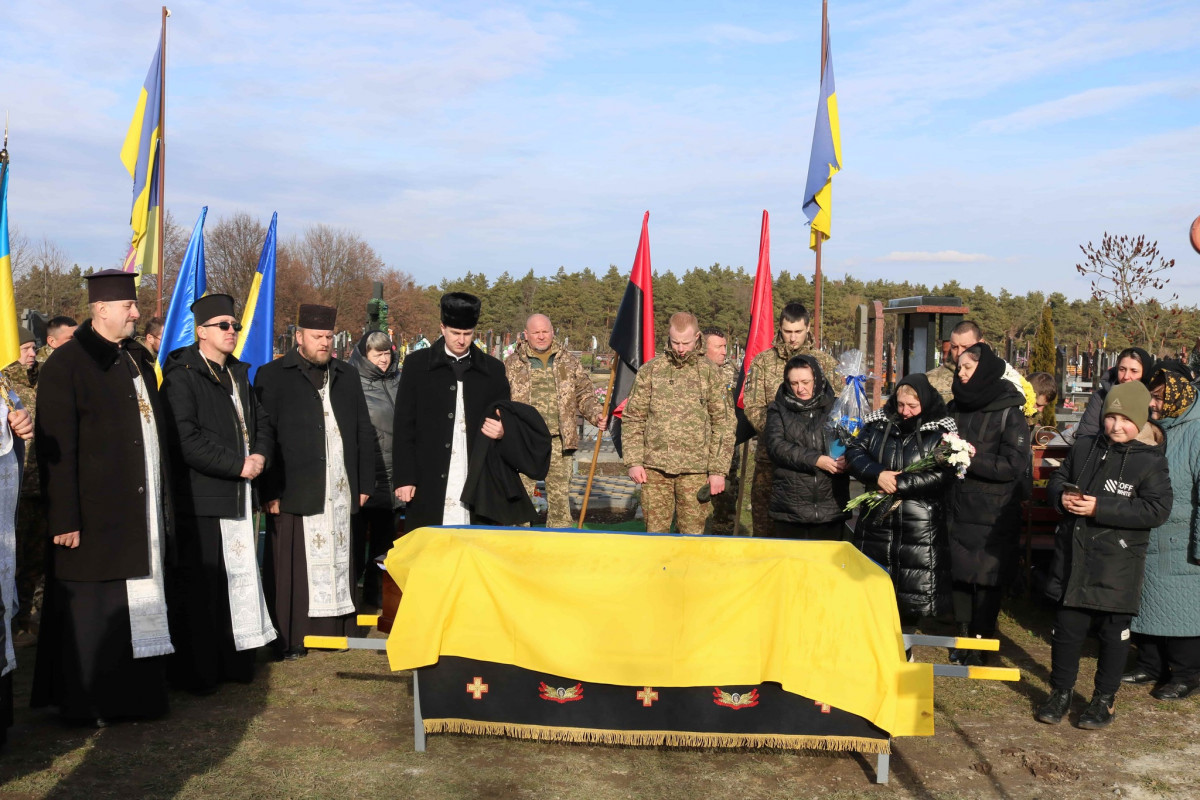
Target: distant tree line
x=334 y=266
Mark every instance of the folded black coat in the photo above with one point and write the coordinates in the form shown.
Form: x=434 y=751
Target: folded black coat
x=493 y=489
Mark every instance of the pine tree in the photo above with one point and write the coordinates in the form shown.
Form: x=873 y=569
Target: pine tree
x=1042 y=358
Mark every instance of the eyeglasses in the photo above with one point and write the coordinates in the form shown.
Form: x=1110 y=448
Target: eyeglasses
x=224 y=325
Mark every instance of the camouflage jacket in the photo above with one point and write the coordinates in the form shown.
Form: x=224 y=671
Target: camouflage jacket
x=941 y=378
x=678 y=418
x=766 y=375
x=18 y=378
x=576 y=392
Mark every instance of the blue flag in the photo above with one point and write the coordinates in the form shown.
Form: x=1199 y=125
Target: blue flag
x=179 y=328
x=256 y=342
x=826 y=158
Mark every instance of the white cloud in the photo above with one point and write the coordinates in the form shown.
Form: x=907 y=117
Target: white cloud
x=1089 y=103
x=940 y=257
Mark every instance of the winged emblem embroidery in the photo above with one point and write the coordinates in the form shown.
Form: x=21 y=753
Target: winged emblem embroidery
x=560 y=695
x=735 y=700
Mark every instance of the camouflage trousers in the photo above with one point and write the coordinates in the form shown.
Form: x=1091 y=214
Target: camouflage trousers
x=725 y=504
x=32 y=533
x=558 y=486
x=760 y=497
x=673 y=497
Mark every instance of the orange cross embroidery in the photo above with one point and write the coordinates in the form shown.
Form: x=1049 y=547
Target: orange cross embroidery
x=824 y=706
x=478 y=688
x=647 y=695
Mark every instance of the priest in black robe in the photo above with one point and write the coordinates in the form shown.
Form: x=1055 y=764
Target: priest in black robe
x=322 y=471
x=220 y=440
x=98 y=432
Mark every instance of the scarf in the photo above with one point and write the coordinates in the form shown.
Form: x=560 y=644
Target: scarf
x=820 y=389
x=1178 y=394
x=985 y=386
x=933 y=408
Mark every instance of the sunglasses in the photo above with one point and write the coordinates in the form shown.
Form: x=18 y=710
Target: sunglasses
x=237 y=326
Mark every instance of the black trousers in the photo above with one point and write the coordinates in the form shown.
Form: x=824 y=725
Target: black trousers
x=373 y=532
x=1169 y=657
x=821 y=531
x=1071 y=627
x=977 y=607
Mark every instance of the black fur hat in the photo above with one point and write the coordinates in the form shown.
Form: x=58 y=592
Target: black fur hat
x=316 y=318
x=460 y=310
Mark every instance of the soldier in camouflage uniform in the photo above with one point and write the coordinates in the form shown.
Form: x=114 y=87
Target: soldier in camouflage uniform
x=59 y=331
x=31 y=510
x=762 y=382
x=965 y=334
x=544 y=375
x=678 y=429
x=724 y=504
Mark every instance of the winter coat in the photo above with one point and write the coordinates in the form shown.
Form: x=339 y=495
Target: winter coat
x=678 y=418
x=1098 y=561
x=494 y=490
x=576 y=392
x=985 y=507
x=205 y=437
x=1091 y=423
x=379 y=389
x=796 y=437
x=296 y=476
x=764 y=378
x=88 y=434
x=424 y=427
x=1171 y=593
x=910 y=542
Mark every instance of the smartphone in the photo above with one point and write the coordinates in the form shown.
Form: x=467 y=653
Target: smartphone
x=1070 y=488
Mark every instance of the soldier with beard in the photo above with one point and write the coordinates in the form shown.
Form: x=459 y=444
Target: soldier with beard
x=762 y=383
x=678 y=431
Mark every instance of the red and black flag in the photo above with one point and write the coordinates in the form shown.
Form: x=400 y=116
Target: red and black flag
x=632 y=337
x=762 y=326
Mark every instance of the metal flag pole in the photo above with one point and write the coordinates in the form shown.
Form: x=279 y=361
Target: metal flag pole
x=817 y=282
x=162 y=158
x=587 y=490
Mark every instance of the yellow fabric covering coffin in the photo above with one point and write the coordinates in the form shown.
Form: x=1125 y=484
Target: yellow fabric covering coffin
x=819 y=618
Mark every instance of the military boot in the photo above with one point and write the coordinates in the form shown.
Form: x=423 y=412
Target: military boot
x=1055 y=708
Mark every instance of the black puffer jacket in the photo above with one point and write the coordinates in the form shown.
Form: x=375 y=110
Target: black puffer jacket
x=910 y=542
x=1099 y=561
x=795 y=437
x=985 y=510
x=379 y=388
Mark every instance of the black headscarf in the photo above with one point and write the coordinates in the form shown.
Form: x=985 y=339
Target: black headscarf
x=987 y=383
x=1146 y=360
x=932 y=405
x=821 y=390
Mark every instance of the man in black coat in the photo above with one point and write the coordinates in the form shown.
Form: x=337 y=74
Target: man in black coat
x=322 y=471
x=98 y=432
x=220 y=440
x=445 y=391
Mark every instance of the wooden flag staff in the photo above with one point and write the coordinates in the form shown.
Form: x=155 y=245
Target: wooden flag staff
x=587 y=491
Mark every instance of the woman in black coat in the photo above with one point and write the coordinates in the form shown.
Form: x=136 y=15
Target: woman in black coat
x=985 y=515
x=374 y=527
x=809 y=488
x=909 y=540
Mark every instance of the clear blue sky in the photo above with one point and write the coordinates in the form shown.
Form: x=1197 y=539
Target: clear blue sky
x=982 y=141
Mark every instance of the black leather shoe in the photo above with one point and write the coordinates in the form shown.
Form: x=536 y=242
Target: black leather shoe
x=1175 y=690
x=1055 y=708
x=1099 y=713
x=1138 y=676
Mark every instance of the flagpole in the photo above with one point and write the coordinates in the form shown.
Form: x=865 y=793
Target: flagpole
x=162 y=158
x=587 y=490
x=817 y=307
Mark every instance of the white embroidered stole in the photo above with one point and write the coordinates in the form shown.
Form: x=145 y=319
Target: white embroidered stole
x=248 y=614
x=147 y=600
x=10 y=490
x=327 y=534
x=455 y=511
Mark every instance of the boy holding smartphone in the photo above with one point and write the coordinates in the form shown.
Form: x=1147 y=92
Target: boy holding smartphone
x=1112 y=489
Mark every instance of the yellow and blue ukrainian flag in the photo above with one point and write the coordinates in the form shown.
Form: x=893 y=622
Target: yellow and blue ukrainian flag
x=10 y=341
x=179 y=327
x=140 y=154
x=255 y=344
x=826 y=158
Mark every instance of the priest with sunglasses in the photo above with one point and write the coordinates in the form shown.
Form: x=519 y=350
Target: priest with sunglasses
x=220 y=440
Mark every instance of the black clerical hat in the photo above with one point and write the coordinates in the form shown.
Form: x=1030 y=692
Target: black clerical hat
x=460 y=310
x=316 y=318
x=211 y=306
x=110 y=285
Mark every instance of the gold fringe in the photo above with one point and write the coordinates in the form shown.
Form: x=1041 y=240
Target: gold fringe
x=547 y=733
